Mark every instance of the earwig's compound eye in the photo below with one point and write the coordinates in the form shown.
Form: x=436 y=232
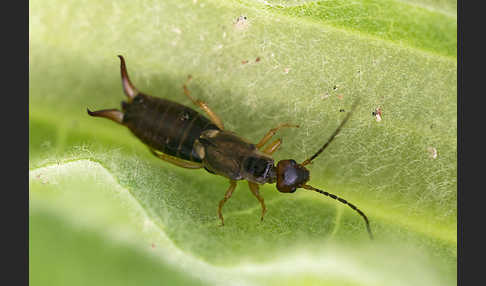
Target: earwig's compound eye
x=290 y=176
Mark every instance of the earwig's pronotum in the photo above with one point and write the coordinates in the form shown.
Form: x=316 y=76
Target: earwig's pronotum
x=181 y=136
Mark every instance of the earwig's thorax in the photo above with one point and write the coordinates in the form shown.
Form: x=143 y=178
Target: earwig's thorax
x=229 y=155
x=259 y=169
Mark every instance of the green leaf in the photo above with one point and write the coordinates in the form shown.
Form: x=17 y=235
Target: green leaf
x=104 y=211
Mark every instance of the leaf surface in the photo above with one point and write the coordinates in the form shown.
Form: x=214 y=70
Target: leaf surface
x=122 y=217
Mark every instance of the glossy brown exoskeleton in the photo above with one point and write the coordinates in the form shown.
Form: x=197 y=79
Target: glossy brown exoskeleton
x=182 y=136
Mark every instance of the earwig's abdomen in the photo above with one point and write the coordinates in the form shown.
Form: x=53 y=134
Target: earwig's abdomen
x=166 y=126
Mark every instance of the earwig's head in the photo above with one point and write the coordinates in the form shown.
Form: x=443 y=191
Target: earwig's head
x=290 y=176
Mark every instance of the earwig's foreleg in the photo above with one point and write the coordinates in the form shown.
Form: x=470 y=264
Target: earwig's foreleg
x=272 y=132
x=273 y=147
x=255 y=190
x=228 y=194
x=203 y=105
x=112 y=114
x=176 y=161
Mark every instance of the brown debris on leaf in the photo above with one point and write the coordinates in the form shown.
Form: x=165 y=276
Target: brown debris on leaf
x=377 y=114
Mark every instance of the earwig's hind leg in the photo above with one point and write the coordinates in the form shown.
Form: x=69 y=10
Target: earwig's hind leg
x=112 y=114
x=273 y=147
x=203 y=105
x=255 y=190
x=176 y=161
x=272 y=132
x=227 y=196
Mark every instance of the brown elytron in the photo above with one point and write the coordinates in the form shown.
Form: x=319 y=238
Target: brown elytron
x=180 y=135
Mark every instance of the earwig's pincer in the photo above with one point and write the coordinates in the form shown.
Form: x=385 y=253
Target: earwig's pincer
x=128 y=87
x=112 y=114
x=181 y=136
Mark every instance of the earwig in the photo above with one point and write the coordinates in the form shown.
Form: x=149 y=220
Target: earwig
x=181 y=136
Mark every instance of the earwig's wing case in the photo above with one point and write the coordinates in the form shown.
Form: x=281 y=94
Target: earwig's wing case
x=166 y=126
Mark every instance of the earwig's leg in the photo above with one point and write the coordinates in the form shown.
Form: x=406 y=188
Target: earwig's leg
x=254 y=189
x=176 y=161
x=112 y=114
x=272 y=132
x=228 y=194
x=273 y=147
x=214 y=118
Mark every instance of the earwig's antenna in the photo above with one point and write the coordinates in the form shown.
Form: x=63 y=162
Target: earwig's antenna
x=128 y=87
x=344 y=202
x=333 y=135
